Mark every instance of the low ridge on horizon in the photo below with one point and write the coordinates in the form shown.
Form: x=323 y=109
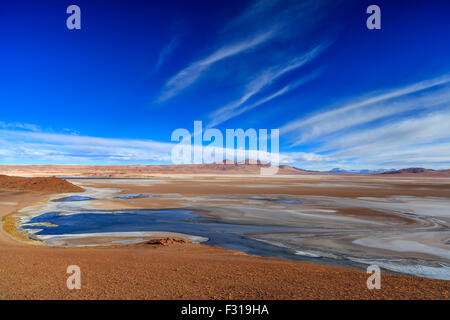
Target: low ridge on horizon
x=244 y=167
x=143 y=170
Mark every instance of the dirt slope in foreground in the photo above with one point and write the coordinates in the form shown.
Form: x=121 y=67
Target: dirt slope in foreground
x=191 y=271
x=182 y=271
x=40 y=184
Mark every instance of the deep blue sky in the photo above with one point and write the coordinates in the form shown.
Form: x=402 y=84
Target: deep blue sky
x=114 y=91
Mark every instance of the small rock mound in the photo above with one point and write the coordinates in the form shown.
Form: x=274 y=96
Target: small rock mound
x=166 y=241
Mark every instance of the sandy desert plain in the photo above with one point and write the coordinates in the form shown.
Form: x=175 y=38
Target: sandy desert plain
x=215 y=232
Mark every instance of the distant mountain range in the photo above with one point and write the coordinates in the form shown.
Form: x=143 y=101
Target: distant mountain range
x=410 y=172
x=363 y=171
x=419 y=172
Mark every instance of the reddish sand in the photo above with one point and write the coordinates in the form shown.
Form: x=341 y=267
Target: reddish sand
x=42 y=184
x=190 y=271
x=179 y=270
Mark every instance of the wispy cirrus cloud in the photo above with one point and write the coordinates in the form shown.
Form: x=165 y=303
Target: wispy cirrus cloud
x=261 y=22
x=367 y=109
x=434 y=156
x=395 y=128
x=193 y=72
x=19 y=125
x=31 y=147
x=19 y=146
x=392 y=136
x=264 y=79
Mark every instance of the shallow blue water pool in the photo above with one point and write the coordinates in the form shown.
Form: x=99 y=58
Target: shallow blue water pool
x=73 y=198
x=231 y=236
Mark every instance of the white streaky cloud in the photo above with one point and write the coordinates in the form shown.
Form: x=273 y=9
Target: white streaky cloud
x=420 y=141
x=261 y=22
x=390 y=137
x=18 y=125
x=431 y=156
x=64 y=139
x=434 y=153
x=192 y=73
x=67 y=148
x=357 y=112
x=238 y=47
x=22 y=147
x=261 y=82
x=353 y=119
x=406 y=127
x=274 y=95
x=295 y=157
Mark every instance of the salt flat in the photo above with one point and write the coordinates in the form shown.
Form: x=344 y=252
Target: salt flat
x=347 y=218
x=324 y=223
